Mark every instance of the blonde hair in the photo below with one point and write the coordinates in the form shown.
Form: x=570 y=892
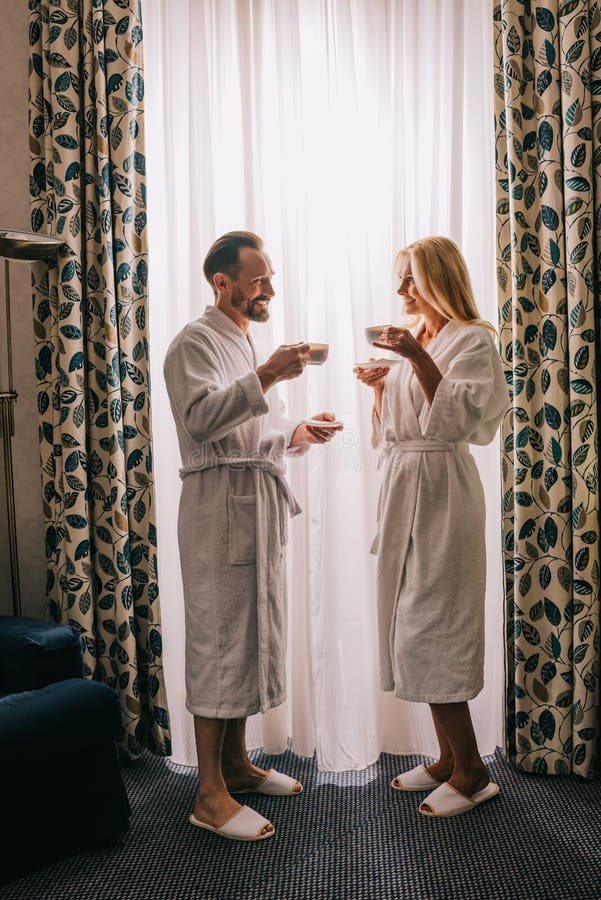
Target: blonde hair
x=441 y=277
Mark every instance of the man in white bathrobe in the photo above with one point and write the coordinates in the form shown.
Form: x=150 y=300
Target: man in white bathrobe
x=232 y=527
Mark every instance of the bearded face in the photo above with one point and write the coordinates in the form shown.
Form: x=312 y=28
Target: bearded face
x=256 y=309
x=247 y=291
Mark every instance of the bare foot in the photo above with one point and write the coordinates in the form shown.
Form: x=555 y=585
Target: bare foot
x=244 y=777
x=441 y=770
x=247 y=778
x=216 y=808
x=467 y=781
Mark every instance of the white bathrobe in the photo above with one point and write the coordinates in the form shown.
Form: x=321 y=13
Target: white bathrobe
x=431 y=519
x=233 y=519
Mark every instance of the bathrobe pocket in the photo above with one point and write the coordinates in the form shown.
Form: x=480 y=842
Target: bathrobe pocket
x=242 y=529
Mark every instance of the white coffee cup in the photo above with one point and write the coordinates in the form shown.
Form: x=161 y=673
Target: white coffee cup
x=318 y=354
x=373 y=332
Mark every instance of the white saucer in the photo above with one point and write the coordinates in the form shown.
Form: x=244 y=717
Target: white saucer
x=378 y=363
x=317 y=423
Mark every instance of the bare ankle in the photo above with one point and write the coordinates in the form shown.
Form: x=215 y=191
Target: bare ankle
x=229 y=764
x=445 y=762
x=470 y=769
x=211 y=791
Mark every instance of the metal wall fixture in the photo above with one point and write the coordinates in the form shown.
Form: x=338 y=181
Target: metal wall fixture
x=25 y=247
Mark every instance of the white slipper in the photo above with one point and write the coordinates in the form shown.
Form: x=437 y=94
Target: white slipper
x=418 y=779
x=276 y=784
x=448 y=801
x=245 y=825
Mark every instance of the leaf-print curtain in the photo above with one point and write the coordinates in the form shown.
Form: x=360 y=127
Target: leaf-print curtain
x=88 y=187
x=548 y=135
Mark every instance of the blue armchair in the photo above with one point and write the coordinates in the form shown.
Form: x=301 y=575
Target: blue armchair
x=60 y=782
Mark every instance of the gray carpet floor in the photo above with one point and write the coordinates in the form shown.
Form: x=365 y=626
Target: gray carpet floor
x=346 y=836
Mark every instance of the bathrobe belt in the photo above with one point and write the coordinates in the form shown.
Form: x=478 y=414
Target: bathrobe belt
x=269 y=554
x=255 y=464
x=424 y=446
x=390 y=452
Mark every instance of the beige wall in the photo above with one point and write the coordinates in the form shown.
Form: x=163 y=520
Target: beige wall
x=14 y=213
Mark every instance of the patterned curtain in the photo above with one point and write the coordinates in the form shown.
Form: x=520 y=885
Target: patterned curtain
x=88 y=187
x=548 y=135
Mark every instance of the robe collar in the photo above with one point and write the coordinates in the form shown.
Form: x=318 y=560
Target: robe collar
x=220 y=322
x=446 y=330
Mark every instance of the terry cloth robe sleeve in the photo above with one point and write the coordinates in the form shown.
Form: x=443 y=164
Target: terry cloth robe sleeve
x=472 y=396
x=208 y=410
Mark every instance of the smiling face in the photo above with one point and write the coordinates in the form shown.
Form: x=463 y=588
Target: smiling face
x=252 y=290
x=445 y=292
x=246 y=297
x=413 y=303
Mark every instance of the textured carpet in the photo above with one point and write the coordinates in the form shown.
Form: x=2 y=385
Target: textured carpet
x=346 y=836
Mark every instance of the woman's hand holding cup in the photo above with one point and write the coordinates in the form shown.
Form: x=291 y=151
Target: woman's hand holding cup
x=401 y=341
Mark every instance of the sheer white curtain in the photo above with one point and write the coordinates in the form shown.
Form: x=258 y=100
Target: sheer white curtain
x=339 y=130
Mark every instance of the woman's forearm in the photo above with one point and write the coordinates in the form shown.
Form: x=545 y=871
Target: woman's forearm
x=427 y=373
x=378 y=394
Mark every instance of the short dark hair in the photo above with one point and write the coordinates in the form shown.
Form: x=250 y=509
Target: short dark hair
x=224 y=254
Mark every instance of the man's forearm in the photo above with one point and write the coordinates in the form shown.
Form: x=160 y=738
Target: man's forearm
x=267 y=378
x=299 y=437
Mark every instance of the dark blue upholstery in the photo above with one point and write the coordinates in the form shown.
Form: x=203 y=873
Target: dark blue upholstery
x=57 y=718
x=60 y=782
x=34 y=654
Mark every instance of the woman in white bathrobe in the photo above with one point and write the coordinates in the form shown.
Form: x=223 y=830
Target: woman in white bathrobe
x=447 y=391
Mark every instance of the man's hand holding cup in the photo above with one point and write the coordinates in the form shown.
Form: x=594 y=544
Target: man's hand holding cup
x=287 y=362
